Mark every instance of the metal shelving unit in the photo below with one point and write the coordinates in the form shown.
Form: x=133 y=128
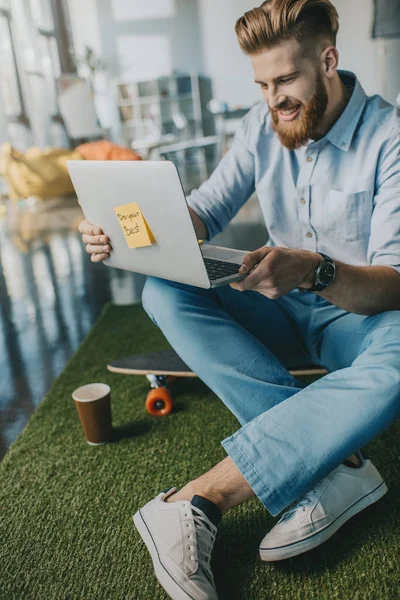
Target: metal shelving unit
x=174 y=105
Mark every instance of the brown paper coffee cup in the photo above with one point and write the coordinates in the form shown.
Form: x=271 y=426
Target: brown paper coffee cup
x=93 y=403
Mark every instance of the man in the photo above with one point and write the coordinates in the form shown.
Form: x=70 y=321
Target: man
x=324 y=160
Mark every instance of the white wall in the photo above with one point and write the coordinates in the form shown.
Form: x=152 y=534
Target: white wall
x=392 y=69
x=224 y=62
x=231 y=70
x=85 y=25
x=375 y=62
x=180 y=28
x=357 y=51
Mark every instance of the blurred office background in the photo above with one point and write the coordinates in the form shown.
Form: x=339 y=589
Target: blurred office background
x=164 y=78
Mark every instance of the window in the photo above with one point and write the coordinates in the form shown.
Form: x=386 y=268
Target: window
x=29 y=65
x=50 y=64
x=9 y=85
x=42 y=16
x=138 y=10
x=144 y=56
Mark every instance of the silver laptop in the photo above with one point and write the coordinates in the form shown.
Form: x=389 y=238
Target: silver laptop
x=156 y=187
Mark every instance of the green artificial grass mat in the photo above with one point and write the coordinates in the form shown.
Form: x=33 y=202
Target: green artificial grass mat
x=66 y=507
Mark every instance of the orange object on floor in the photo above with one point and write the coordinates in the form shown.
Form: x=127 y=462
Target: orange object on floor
x=106 y=150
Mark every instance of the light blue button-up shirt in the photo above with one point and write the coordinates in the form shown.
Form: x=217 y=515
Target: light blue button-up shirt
x=339 y=195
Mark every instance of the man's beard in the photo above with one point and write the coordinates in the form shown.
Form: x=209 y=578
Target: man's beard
x=294 y=134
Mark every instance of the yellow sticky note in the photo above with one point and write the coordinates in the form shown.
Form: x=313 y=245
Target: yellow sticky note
x=133 y=224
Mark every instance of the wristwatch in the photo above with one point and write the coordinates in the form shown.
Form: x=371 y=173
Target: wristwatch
x=324 y=274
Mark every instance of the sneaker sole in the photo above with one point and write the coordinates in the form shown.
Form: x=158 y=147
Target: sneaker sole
x=282 y=552
x=170 y=585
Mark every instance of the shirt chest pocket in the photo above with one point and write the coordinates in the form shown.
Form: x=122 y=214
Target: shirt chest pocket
x=348 y=215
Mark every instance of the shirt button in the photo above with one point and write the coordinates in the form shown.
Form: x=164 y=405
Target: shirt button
x=302 y=201
x=309 y=159
x=309 y=234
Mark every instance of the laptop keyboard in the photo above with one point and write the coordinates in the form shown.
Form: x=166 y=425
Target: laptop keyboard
x=219 y=268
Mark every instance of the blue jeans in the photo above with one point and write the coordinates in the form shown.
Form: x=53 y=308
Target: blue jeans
x=241 y=345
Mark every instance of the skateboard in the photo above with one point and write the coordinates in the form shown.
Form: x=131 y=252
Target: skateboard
x=163 y=367
x=160 y=368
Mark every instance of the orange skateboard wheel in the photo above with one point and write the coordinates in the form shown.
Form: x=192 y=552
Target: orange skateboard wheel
x=159 y=402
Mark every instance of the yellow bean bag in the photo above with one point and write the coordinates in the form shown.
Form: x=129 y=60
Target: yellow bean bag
x=36 y=172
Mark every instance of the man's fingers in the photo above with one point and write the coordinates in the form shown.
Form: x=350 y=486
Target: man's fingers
x=254 y=279
x=99 y=257
x=95 y=239
x=96 y=249
x=251 y=260
x=236 y=285
x=96 y=242
x=89 y=228
x=248 y=263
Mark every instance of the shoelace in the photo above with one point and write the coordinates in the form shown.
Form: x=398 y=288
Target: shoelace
x=302 y=502
x=205 y=532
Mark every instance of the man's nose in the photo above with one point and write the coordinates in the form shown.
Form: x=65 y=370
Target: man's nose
x=276 y=100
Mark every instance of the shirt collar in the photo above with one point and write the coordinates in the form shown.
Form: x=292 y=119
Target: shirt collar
x=342 y=132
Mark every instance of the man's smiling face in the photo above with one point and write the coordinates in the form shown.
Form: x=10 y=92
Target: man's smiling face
x=294 y=90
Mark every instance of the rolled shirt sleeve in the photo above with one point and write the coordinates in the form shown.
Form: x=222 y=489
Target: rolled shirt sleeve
x=231 y=184
x=384 y=241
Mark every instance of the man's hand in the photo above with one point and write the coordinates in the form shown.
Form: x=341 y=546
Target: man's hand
x=97 y=244
x=276 y=271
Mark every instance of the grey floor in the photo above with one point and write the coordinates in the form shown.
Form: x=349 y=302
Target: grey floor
x=51 y=294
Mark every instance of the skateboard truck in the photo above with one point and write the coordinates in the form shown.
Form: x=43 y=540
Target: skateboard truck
x=157 y=381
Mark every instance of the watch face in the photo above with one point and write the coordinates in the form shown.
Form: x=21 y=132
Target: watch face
x=326 y=273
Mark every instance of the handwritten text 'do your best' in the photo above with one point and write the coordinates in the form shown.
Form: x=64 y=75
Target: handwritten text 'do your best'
x=133 y=224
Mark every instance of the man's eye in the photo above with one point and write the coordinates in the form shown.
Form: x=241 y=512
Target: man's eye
x=287 y=80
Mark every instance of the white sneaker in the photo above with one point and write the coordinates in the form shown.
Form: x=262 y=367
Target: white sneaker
x=315 y=517
x=180 y=538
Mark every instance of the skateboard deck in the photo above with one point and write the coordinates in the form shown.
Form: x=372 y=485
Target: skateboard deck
x=164 y=362
x=167 y=362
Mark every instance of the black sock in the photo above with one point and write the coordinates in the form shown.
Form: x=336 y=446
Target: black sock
x=348 y=463
x=209 y=508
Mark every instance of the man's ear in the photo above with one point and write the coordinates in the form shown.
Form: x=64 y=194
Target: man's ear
x=330 y=61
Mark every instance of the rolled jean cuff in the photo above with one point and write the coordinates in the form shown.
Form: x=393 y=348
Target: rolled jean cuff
x=272 y=503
